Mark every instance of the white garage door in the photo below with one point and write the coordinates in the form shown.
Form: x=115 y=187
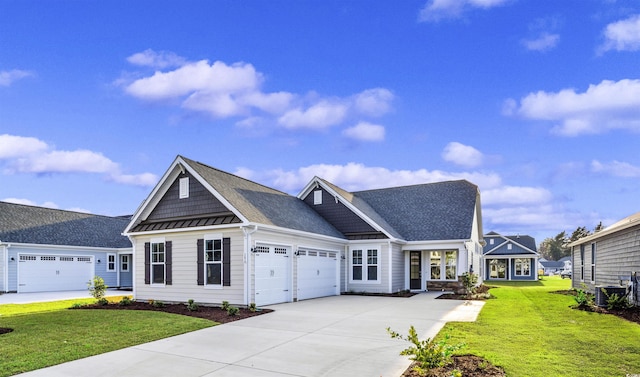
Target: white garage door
x=317 y=274
x=46 y=273
x=272 y=266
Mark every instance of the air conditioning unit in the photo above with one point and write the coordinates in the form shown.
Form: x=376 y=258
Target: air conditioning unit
x=602 y=297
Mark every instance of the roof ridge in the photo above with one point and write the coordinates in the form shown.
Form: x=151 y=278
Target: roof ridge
x=417 y=185
x=63 y=210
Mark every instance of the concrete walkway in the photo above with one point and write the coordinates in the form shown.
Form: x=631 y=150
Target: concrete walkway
x=27 y=298
x=332 y=336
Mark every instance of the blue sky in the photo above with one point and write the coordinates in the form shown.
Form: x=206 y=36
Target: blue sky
x=535 y=101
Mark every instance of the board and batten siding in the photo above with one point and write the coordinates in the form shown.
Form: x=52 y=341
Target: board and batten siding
x=617 y=254
x=184 y=270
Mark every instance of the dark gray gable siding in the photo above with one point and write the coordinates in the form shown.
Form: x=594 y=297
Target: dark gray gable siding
x=434 y=211
x=515 y=250
x=342 y=218
x=499 y=246
x=199 y=203
x=46 y=226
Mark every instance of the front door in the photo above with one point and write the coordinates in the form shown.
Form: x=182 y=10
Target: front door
x=415 y=270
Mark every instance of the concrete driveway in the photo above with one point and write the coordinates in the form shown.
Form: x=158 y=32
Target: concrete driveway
x=332 y=336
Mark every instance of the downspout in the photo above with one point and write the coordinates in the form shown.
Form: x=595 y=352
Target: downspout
x=247 y=259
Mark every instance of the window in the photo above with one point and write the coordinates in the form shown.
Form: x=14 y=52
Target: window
x=157 y=262
x=446 y=261
x=124 y=263
x=509 y=246
x=184 y=188
x=364 y=265
x=111 y=262
x=523 y=267
x=593 y=262
x=581 y=262
x=213 y=261
x=317 y=197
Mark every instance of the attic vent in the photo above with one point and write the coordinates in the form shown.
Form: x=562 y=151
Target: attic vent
x=184 y=188
x=317 y=197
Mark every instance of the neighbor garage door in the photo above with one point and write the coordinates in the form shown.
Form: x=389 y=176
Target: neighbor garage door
x=272 y=267
x=46 y=273
x=317 y=274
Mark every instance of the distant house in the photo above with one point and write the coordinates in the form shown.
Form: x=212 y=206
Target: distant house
x=43 y=249
x=211 y=236
x=510 y=257
x=610 y=257
x=551 y=267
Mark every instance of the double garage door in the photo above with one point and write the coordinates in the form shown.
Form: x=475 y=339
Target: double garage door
x=47 y=273
x=317 y=273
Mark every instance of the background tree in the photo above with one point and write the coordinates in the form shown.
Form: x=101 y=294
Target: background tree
x=580 y=232
x=556 y=247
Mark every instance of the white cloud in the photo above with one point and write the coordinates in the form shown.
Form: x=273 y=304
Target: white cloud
x=318 y=116
x=519 y=195
x=544 y=42
x=356 y=177
x=616 y=169
x=9 y=77
x=162 y=59
x=463 y=155
x=30 y=155
x=364 y=131
x=436 y=10
x=623 y=35
x=373 y=102
x=28 y=202
x=16 y=146
x=602 y=107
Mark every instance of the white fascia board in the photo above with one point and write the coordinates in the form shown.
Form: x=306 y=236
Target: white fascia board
x=67 y=247
x=289 y=231
x=209 y=228
x=353 y=208
x=420 y=245
x=309 y=187
x=510 y=256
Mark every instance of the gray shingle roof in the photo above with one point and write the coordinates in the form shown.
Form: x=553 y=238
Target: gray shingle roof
x=433 y=211
x=526 y=241
x=37 y=225
x=264 y=205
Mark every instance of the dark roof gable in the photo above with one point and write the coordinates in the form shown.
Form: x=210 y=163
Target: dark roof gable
x=37 y=225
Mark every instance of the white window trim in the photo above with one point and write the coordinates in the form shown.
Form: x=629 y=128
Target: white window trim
x=213 y=237
x=515 y=266
x=582 y=251
x=317 y=197
x=115 y=262
x=443 y=264
x=184 y=188
x=593 y=262
x=151 y=263
x=128 y=262
x=365 y=266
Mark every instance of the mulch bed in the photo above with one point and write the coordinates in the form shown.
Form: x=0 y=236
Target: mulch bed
x=5 y=330
x=467 y=365
x=212 y=313
x=631 y=314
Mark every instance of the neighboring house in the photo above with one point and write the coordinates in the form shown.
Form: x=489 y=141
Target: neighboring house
x=610 y=257
x=43 y=249
x=510 y=257
x=211 y=236
x=567 y=265
x=551 y=267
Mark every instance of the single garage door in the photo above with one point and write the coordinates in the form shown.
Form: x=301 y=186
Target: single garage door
x=47 y=273
x=317 y=274
x=272 y=267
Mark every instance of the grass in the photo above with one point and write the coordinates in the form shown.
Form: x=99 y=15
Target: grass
x=48 y=334
x=531 y=332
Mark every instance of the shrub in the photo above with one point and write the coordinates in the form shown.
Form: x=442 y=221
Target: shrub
x=77 y=305
x=103 y=301
x=225 y=305
x=252 y=307
x=615 y=301
x=156 y=303
x=232 y=310
x=469 y=280
x=125 y=301
x=428 y=353
x=583 y=298
x=97 y=287
x=192 y=306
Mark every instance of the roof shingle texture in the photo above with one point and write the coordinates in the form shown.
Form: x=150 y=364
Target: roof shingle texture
x=38 y=225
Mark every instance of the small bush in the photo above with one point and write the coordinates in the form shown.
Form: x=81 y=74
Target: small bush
x=615 y=301
x=252 y=307
x=77 y=305
x=225 y=305
x=97 y=287
x=125 y=301
x=470 y=281
x=232 y=310
x=428 y=353
x=192 y=306
x=103 y=301
x=583 y=298
x=156 y=303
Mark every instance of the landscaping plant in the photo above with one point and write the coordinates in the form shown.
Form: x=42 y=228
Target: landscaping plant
x=192 y=306
x=470 y=280
x=427 y=353
x=232 y=310
x=97 y=287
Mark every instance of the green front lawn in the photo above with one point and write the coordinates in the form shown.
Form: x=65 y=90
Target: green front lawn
x=48 y=334
x=532 y=332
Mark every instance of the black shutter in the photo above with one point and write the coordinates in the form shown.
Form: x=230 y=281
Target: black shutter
x=200 y=273
x=226 y=262
x=147 y=262
x=167 y=263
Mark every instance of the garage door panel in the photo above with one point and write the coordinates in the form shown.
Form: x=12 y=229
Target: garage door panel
x=48 y=273
x=271 y=266
x=317 y=274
